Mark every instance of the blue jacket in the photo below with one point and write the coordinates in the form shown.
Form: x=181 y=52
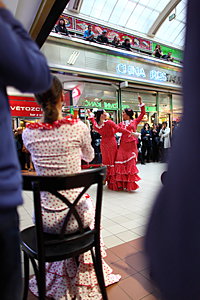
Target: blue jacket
x=23 y=67
x=88 y=33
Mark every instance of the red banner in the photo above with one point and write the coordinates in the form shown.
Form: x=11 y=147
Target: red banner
x=25 y=109
x=68 y=21
x=81 y=26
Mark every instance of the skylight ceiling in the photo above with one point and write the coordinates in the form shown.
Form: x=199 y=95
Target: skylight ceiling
x=139 y=15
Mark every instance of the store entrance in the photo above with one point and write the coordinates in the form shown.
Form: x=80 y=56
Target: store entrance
x=165 y=108
x=94 y=96
x=129 y=99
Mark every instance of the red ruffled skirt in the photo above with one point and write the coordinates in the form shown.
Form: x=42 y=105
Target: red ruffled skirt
x=109 y=152
x=126 y=172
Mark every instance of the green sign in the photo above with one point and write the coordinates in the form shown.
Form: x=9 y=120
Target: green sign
x=150 y=109
x=176 y=53
x=103 y=105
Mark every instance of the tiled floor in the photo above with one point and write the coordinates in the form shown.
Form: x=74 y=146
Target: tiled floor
x=124 y=218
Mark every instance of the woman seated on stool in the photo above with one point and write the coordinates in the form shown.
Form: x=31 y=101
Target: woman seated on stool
x=56 y=144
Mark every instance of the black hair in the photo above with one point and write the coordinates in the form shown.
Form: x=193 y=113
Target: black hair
x=62 y=19
x=98 y=114
x=165 y=122
x=49 y=99
x=145 y=125
x=129 y=112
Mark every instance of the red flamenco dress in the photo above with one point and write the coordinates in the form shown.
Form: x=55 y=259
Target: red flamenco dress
x=126 y=172
x=108 y=146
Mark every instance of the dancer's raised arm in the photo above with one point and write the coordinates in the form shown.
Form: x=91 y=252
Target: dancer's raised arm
x=142 y=106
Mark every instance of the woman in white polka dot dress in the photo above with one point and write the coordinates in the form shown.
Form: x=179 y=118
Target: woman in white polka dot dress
x=57 y=145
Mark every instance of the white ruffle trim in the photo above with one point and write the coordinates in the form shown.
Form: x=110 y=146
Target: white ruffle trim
x=100 y=126
x=140 y=105
x=125 y=161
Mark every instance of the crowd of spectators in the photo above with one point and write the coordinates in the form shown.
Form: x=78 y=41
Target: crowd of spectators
x=103 y=39
x=154 y=143
x=23 y=154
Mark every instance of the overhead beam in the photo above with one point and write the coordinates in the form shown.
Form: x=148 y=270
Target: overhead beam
x=47 y=15
x=26 y=12
x=162 y=17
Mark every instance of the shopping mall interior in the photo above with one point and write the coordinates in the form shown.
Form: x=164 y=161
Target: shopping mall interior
x=120 y=64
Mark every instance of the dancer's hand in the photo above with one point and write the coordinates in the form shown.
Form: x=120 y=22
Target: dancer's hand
x=135 y=134
x=139 y=100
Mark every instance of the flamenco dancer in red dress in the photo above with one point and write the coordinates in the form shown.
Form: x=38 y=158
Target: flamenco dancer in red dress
x=107 y=130
x=125 y=164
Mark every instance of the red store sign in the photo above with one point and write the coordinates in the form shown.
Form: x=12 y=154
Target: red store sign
x=25 y=109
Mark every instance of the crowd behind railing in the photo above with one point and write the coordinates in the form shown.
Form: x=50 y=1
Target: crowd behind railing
x=102 y=38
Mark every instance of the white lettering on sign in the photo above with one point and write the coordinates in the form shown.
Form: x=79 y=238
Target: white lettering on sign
x=158 y=76
x=27 y=108
x=121 y=68
x=134 y=71
x=130 y=70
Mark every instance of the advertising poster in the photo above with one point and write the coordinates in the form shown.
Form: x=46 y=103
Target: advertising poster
x=81 y=26
x=68 y=21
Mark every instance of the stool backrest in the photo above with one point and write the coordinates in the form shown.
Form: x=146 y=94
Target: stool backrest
x=55 y=184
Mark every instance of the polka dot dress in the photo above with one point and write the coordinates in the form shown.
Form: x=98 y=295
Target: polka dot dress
x=58 y=151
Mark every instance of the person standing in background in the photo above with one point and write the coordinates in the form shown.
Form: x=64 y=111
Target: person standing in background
x=146 y=143
x=127 y=45
x=155 y=143
x=102 y=38
x=89 y=34
x=61 y=27
x=158 y=52
x=164 y=135
x=24 y=67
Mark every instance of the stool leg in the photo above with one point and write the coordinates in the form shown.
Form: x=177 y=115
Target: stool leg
x=99 y=272
x=41 y=280
x=26 y=276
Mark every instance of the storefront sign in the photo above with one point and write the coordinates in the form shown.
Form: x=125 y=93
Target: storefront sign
x=148 y=73
x=97 y=63
x=25 y=109
x=104 y=105
x=150 y=108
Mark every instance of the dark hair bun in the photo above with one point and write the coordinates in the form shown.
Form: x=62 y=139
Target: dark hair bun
x=129 y=112
x=49 y=99
x=98 y=114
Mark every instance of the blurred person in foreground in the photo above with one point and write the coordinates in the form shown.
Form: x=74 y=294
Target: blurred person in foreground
x=173 y=238
x=23 y=67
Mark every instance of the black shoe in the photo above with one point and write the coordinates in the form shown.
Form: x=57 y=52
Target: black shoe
x=143 y=163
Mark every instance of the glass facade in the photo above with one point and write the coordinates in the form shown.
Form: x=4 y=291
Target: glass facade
x=177 y=104
x=165 y=108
